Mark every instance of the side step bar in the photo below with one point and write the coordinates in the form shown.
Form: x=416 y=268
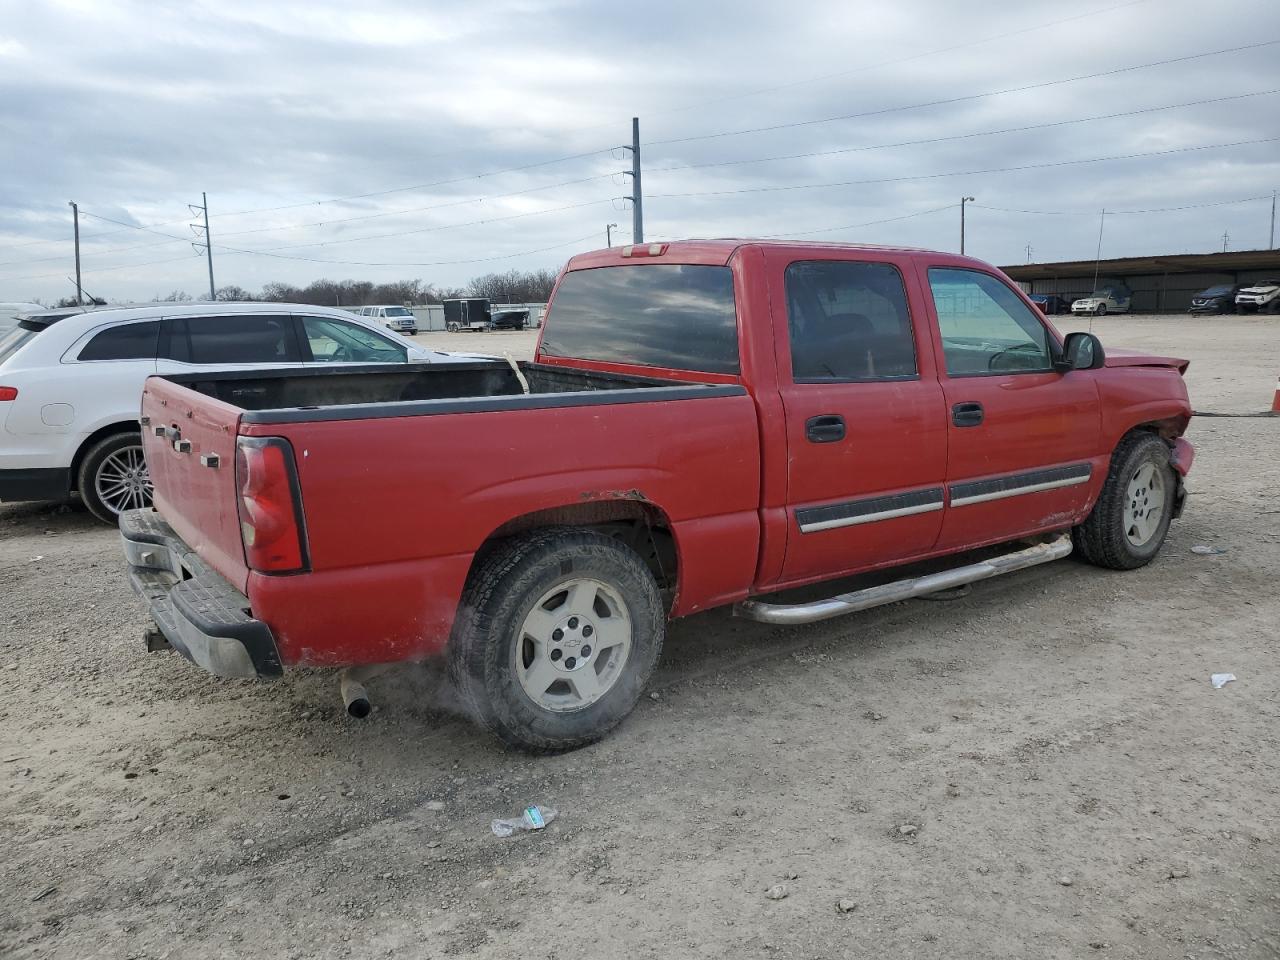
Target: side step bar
x=795 y=613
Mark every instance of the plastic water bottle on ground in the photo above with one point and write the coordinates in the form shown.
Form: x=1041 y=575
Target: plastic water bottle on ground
x=533 y=818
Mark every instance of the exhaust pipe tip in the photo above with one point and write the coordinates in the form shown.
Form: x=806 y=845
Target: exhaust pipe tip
x=354 y=697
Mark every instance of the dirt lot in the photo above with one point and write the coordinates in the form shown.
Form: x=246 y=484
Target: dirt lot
x=1076 y=786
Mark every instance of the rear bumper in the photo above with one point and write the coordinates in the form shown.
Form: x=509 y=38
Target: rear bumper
x=53 y=483
x=203 y=616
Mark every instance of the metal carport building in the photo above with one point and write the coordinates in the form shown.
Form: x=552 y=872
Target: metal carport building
x=1160 y=284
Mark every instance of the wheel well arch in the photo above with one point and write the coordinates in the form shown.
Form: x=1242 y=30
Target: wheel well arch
x=111 y=429
x=639 y=523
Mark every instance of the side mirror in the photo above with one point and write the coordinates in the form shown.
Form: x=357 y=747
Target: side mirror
x=1081 y=351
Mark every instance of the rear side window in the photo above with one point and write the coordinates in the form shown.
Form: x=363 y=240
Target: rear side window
x=669 y=315
x=848 y=321
x=238 y=338
x=129 y=341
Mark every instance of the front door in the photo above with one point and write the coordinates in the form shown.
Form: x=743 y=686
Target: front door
x=865 y=422
x=1022 y=437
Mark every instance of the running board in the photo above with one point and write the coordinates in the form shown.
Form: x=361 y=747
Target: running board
x=795 y=613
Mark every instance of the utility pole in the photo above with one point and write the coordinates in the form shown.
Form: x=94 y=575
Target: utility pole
x=75 y=218
x=1271 y=244
x=1225 y=237
x=963 y=201
x=1028 y=253
x=608 y=233
x=208 y=241
x=637 y=195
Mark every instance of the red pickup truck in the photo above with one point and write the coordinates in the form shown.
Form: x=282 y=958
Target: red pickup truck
x=704 y=423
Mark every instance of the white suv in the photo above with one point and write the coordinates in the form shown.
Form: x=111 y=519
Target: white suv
x=1262 y=296
x=399 y=319
x=70 y=385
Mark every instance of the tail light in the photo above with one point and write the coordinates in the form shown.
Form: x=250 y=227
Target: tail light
x=271 y=523
x=8 y=393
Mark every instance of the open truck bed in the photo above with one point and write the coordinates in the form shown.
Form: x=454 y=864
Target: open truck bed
x=345 y=506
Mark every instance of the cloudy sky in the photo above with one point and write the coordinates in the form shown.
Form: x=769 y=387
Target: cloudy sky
x=383 y=140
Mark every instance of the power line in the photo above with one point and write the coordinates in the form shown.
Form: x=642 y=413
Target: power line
x=435 y=263
x=972 y=96
x=963 y=173
x=965 y=136
x=874 y=66
x=1111 y=213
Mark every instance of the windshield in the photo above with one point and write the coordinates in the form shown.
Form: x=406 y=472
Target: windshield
x=11 y=341
x=1216 y=292
x=399 y=312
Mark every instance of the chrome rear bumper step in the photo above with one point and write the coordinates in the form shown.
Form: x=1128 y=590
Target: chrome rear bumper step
x=796 y=613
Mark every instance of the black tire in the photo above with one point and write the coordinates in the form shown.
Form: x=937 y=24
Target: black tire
x=1102 y=310
x=502 y=592
x=1101 y=539
x=92 y=465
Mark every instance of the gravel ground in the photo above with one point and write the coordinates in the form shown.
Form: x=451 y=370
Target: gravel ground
x=1037 y=769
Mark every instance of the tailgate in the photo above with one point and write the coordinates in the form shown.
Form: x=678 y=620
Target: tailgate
x=190 y=443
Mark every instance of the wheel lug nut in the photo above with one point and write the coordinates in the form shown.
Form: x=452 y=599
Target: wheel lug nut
x=557 y=634
x=573 y=623
x=571 y=663
x=556 y=654
x=585 y=651
x=587 y=631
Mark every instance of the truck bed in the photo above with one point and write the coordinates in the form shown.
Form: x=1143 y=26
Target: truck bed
x=403 y=474
x=343 y=393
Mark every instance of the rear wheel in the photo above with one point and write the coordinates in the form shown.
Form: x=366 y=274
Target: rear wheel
x=113 y=477
x=1129 y=522
x=556 y=637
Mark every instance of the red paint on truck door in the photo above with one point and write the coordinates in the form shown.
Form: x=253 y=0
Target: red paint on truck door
x=1023 y=438
x=866 y=432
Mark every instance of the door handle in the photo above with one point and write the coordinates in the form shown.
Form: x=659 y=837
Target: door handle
x=967 y=414
x=827 y=428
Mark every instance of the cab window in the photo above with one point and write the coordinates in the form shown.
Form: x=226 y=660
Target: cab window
x=985 y=327
x=848 y=321
x=334 y=341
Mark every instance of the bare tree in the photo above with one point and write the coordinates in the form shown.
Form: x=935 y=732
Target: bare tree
x=233 y=294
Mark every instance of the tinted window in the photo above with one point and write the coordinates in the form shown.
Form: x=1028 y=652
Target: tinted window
x=238 y=338
x=848 y=321
x=130 y=341
x=664 y=315
x=985 y=326
x=337 y=342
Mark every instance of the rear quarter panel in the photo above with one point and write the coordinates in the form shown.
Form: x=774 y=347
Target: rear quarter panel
x=396 y=507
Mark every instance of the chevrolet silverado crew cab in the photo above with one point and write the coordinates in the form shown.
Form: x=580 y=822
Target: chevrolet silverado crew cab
x=704 y=423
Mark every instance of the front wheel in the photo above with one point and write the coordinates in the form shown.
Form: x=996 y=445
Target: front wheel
x=1102 y=310
x=1129 y=522
x=113 y=477
x=557 y=634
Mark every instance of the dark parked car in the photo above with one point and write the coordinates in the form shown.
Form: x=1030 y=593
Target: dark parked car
x=1219 y=299
x=1050 y=303
x=509 y=320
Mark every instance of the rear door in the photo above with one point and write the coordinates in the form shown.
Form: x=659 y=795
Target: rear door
x=1022 y=437
x=230 y=341
x=865 y=422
